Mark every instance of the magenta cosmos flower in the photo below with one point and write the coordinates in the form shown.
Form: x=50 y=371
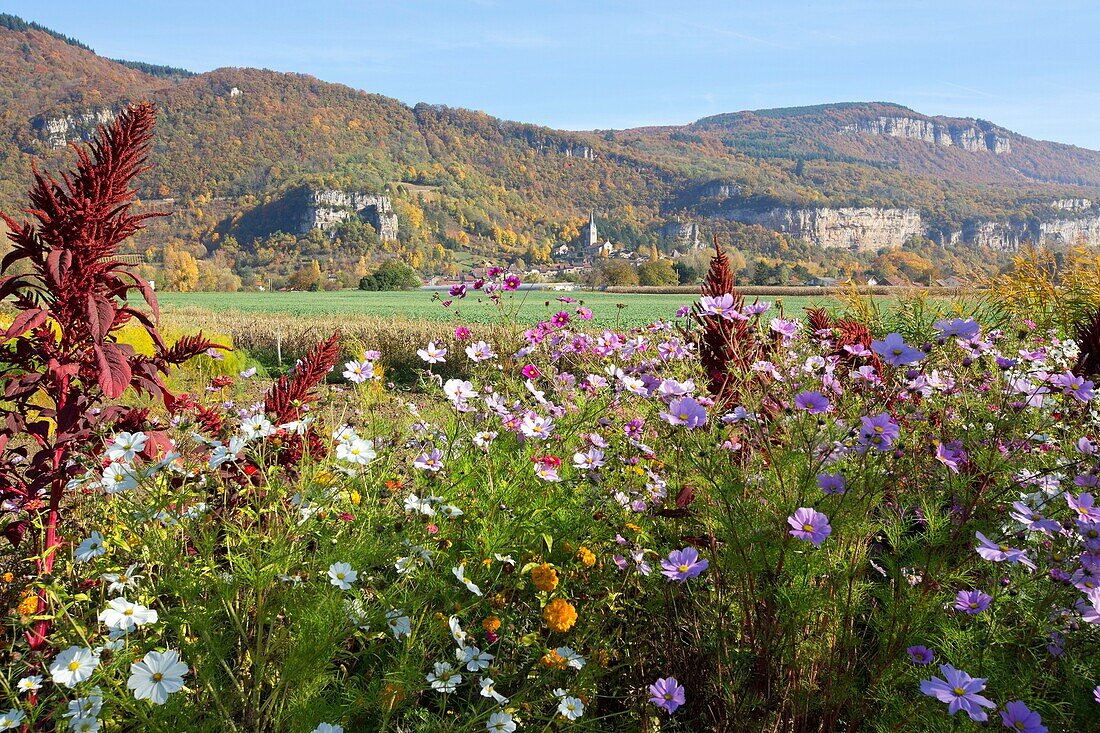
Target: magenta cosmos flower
x=1017 y=716
x=972 y=601
x=960 y=691
x=667 y=693
x=810 y=525
x=686 y=411
x=683 y=564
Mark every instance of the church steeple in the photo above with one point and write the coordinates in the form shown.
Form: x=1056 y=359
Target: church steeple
x=593 y=235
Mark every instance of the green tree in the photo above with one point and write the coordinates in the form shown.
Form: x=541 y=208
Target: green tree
x=616 y=272
x=657 y=272
x=391 y=275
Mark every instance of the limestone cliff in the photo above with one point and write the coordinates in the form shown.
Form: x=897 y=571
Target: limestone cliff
x=325 y=208
x=852 y=228
x=978 y=137
x=57 y=131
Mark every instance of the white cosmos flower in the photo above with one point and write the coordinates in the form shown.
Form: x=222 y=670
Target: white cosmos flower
x=89 y=548
x=328 y=728
x=358 y=451
x=73 y=666
x=484 y=438
x=118 y=477
x=126 y=446
x=414 y=503
x=157 y=676
x=341 y=575
x=120 y=582
x=452 y=511
x=256 y=426
x=29 y=684
x=570 y=708
x=574 y=660
x=85 y=725
x=459 y=572
x=488 y=689
x=85 y=707
x=445 y=678
x=474 y=659
x=500 y=722
x=480 y=351
x=456 y=631
x=11 y=719
x=400 y=624
x=123 y=615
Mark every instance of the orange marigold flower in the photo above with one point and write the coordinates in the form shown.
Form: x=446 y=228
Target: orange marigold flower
x=394 y=484
x=559 y=615
x=544 y=577
x=29 y=605
x=491 y=623
x=8 y=577
x=588 y=559
x=553 y=660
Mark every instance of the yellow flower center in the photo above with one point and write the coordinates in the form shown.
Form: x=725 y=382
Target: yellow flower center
x=959 y=691
x=74 y=666
x=157 y=677
x=807 y=528
x=683 y=568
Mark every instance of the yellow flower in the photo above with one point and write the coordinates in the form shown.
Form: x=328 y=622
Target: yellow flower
x=559 y=615
x=633 y=527
x=8 y=577
x=392 y=695
x=325 y=478
x=497 y=601
x=491 y=623
x=587 y=558
x=355 y=497
x=544 y=577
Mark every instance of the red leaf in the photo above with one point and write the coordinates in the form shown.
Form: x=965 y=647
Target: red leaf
x=25 y=321
x=114 y=370
x=101 y=316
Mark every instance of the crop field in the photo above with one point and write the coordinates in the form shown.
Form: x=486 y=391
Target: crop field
x=609 y=309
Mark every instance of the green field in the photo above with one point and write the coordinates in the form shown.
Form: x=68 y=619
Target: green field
x=608 y=308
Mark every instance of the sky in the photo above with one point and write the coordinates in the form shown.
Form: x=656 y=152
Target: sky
x=1028 y=66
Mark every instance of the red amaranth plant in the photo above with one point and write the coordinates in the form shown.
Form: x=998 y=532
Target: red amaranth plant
x=60 y=357
x=1088 y=343
x=291 y=392
x=724 y=343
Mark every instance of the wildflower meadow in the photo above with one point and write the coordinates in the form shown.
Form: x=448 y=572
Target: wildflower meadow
x=731 y=519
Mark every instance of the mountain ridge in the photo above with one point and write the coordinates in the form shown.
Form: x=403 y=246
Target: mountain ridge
x=466 y=185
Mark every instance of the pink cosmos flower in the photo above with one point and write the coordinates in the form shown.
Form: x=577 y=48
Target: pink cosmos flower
x=1001 y=553
x=686 y=411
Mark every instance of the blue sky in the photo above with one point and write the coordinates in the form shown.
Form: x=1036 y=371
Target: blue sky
x=1030 y=66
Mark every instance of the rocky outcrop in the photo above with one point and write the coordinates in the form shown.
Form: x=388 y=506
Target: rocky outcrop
x=1072 y=204
x=682 y=233
x=325 y=208
x=57 y=131
x=1003 y=235
x=865 y=228
x=979 y=137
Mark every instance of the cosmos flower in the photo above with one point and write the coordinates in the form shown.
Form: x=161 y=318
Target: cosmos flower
x=122 y=615
x=814 y=403
x=433 y=354
x=895 y=352
x=570 y=708
x=878 y=432
x=341 y=575
x=667 y=694
x=73 y=666
x=960 y=691
x=1017 y=716
x=91 y=547
x=809 y=525
x=920 y=654
x=683 y=564
x=432 y=462
x=125 y=447
x=1085 y=507
x=156 y=676
x=951 y=454
x=480 y=351
x=328 y=728
x=832 y=483
x=459 y=571
x=11 y=719
x=686 y=411
x=957 y=327
x=1001 y=553
x=972 y=602
x=444 y=678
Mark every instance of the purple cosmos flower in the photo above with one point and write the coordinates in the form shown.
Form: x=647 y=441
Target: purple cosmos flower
x=430 y=461
x=951 y=454
x=1018 y=717
x=814 y=403
x=920 y=654
x=879 y=431
x=683 y=311
x=458 y=291
x=972 y=602
x=1001 y=553
x=1085 y=507
x=1096 y=694
x=512 y=282
x=561 y=318
x=960 y=691
x=686 y=411
x=720 y=305
x=1079 y=388
x=667 y=693
x=1032 y=519
x=758 y=308
x=832 y=483
x=810 y=525
x=786 y=329
x=683 y=564
x=964 y=329
x=895 y=352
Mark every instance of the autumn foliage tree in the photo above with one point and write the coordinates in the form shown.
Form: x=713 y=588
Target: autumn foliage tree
x=61 y=365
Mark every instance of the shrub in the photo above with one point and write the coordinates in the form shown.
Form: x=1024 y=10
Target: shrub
x=391 y=275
